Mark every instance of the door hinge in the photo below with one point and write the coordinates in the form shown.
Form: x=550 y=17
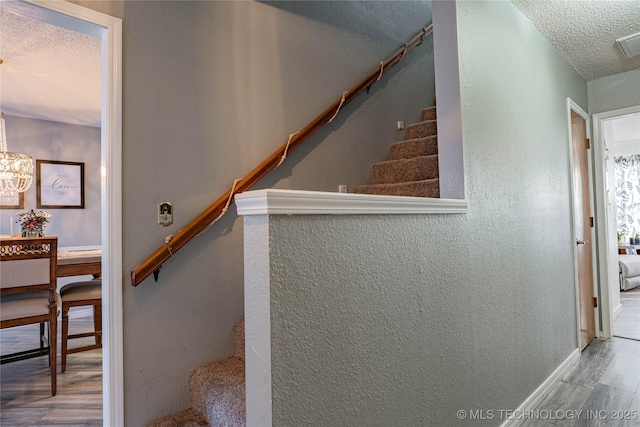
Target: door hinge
x=595 y=302
x=588 y=143
x=591 y=220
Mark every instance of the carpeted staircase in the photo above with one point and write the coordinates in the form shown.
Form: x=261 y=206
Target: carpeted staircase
x=217 y=392
x=413 y=168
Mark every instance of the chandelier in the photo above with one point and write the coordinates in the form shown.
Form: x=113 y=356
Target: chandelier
x=16 y=170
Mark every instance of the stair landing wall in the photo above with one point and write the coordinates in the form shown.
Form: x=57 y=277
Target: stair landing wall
x=340 y=313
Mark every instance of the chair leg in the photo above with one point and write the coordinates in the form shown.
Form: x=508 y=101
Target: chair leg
x=53 y=333
x=97 y=322
x=64 y=337
x=42 y=335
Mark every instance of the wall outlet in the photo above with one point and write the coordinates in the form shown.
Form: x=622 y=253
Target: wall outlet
x=342 y=189
x=165 y=214
x=400 y=125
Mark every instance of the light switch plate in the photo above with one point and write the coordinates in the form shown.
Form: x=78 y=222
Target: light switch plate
x=165 y=214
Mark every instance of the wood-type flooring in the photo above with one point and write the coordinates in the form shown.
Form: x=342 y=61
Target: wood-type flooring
x=602 y=389
x=25 y=386
x=627 y=324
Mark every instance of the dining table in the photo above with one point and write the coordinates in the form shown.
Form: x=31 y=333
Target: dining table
x=79 y=263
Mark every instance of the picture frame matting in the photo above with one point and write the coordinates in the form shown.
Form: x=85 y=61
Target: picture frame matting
x=59 y=185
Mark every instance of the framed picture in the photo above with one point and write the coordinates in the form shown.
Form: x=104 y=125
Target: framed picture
x=13 y=201
x=59 y=185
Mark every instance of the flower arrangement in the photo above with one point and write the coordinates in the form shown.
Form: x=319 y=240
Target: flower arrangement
x=33 y=223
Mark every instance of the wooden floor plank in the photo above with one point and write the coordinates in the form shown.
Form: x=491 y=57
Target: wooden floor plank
x=606 y=378
x=563 y=396
x=604 y=383
x=25 y=387
x=623 y=372
x=627 y=324
x=605 y=402
x=595 y=360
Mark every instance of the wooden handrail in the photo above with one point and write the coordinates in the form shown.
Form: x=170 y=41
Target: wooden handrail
x=153 y=263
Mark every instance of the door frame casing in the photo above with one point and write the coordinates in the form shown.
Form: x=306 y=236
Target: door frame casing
x=603 y=232
x=573 y=106
x=109 y=30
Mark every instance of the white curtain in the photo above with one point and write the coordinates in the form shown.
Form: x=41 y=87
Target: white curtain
x=628 y=194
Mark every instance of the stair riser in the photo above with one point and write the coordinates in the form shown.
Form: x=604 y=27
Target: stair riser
x=429 y=114
x=238 y=339
x=187 y=418
x=218 y=392
x=422 y=129
x=417 y=169
x=430 y=188
x=414 y=148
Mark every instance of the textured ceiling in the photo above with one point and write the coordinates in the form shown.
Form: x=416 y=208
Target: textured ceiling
x=53 y=74
x=585 y=31
x=48 y=72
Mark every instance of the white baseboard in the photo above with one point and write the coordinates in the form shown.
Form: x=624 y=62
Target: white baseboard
x=616 y=312
x=541 y=392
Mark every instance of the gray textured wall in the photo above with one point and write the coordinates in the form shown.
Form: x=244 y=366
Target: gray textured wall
x=47 y=140
x=614 y=92
x=403 y=320
x=211 y=89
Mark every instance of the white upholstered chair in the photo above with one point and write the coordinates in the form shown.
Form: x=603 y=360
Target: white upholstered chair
x=28 y=293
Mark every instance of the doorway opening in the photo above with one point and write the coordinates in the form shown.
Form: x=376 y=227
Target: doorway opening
x=109 y=30
x=616 y=135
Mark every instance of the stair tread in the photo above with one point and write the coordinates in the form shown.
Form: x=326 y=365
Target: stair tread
x=422 y=188
x=416 y=147
x=424 y=121
x=406 y=170
x=398 y=183
x=187 y=418
x=429 y=113
x=423 y=138
x=404 y=161
x=422 y=129
x=218 y=391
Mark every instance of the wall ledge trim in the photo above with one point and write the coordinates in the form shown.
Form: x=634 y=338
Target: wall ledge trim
x=299 y=202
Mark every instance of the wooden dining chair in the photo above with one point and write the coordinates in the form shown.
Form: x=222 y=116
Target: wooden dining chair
x=28 y=294
x=78 y=294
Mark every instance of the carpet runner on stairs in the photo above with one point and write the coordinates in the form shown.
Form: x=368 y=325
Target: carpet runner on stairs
x=413 y=167
x=217 y=390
